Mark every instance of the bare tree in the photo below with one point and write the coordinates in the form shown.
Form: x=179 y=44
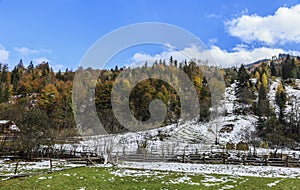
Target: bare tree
x=110 y=143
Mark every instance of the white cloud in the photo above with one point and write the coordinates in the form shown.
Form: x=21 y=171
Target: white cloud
x=26 y=51
x=214 y=16
x=215 y=55
x=39 y=60
x=240 y=55
x=212 y=41
x=58 y=67
x=281 y=27
x=139 y=59
x=3 y=54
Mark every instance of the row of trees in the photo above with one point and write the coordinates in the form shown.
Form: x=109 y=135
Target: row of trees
x=141 y=94
x=39 y=100
x=287 y=68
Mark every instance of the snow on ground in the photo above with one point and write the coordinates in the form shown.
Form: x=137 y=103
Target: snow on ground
x=232 y=170
x=189 y=136
x=7 y=167
x=274 y=183
x=272 y=95
x=293 y=94
x=182 y=178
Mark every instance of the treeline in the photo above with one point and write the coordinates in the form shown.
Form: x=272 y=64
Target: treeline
x=30 y=93
x=38 y=100
x=141 y=94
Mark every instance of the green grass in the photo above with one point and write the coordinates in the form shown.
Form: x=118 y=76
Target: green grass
x=108 y=178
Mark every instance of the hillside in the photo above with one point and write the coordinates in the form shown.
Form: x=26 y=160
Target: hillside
x=258 y=107
x=265 y=116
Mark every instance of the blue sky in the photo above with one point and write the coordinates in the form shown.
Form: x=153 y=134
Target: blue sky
x=61 y=31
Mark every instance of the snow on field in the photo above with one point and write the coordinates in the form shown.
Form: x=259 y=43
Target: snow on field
x=232 y=170
x=214 y=181
x=7 y=167
x=274 y=183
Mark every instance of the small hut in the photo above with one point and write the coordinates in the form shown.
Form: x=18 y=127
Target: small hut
x=8 y=127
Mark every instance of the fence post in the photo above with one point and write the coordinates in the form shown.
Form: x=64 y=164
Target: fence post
x=266 y=160
x=16 y=169
x=50 y=165
x=117 y=154
x=124 y=153
x=287 y=161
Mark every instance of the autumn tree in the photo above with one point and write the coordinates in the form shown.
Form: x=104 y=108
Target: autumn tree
x=48 y=99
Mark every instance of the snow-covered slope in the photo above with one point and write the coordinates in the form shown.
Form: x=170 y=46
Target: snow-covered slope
x=192 y=136
x=272 y=95
x=187 y=136
x=293 y=97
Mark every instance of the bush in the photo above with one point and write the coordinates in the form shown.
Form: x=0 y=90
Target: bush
x=242 y=146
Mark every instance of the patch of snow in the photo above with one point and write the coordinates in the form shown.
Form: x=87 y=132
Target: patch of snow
x=179 y=180
x=23 y=167
x=233 y=170
x=274 y=183
x=272 y=95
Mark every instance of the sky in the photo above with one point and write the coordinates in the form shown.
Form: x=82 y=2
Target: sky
x=61 y=31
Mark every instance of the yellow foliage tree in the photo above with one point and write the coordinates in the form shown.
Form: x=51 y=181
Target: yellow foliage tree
x=257 y=75
x=264 y=80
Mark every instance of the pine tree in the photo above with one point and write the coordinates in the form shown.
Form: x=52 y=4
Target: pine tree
x=15 y=77
x=6 y=93
x=289 y=68
x=1 y=89
x=263 y=107
x=281 y=99
x=58 y=75
x=273 y=69
x=243 y=76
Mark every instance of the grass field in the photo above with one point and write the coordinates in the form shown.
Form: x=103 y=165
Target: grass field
x=114 y=178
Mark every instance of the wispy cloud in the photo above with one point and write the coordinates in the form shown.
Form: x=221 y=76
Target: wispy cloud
x=212 y=41
x=26 y=51
x=281 y=27
x=4 y=54
x=57 y=67
x=214 y=16
x=40 y=60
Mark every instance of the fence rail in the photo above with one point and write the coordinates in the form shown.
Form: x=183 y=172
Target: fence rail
x=200 y=159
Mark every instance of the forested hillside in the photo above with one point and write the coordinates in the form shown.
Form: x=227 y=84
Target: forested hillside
x=39 y=100
x=262 y=88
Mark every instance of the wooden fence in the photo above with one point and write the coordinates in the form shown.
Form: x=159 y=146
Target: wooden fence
x=202 y=159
